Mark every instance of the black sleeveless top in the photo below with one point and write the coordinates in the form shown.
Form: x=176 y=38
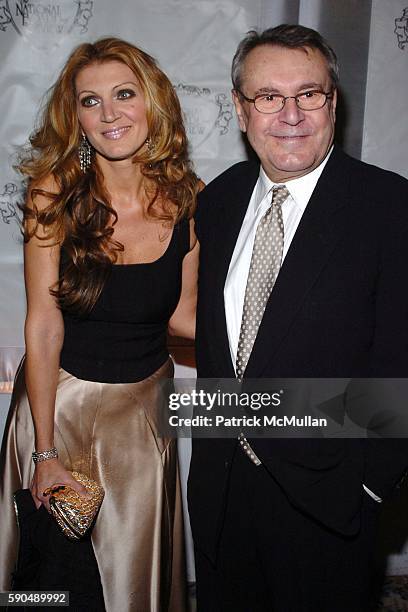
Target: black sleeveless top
x=123 y=338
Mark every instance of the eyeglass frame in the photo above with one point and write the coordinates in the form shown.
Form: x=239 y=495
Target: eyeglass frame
x=328 y=94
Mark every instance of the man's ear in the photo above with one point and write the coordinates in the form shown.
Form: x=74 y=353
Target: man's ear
x=334 y=104
x=240 y=110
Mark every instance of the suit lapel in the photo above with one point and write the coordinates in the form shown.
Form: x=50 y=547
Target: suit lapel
x=321 y=227
x=232 y=212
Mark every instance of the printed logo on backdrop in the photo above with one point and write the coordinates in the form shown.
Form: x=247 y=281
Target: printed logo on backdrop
x=54 y=17
x=205 y=112
x=401 y=29
x=10 y=197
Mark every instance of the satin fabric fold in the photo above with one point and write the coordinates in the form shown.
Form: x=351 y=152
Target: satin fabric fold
x=110 y=432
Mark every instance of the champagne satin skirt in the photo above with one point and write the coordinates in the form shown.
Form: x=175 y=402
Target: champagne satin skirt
x=109 y=432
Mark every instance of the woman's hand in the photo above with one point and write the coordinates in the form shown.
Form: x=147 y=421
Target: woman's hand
x=48 y=473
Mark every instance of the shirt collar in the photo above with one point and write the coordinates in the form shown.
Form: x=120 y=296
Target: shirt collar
x=300 y=189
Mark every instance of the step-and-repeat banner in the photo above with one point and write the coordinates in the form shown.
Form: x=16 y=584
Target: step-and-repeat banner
x=385 y=141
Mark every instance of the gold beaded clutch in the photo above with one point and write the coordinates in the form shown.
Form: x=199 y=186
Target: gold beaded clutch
x=73 y=512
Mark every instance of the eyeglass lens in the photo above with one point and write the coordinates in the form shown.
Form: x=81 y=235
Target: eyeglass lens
x=310 y=100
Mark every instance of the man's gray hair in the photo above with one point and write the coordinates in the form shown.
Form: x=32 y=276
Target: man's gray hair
x=289 y=36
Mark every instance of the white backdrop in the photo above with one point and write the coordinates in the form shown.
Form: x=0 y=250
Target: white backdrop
x=194 y=42
x=385 y=141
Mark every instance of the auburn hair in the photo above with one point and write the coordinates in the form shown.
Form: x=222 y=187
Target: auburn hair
x=80 y=217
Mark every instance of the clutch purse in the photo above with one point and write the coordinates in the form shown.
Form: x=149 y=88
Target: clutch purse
x=73 y=512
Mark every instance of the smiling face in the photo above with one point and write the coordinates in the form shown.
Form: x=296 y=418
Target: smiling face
x=291 y=142
x=111 y=110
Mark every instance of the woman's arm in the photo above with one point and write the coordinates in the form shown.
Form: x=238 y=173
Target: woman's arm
x=44 y=334
x=182 y=321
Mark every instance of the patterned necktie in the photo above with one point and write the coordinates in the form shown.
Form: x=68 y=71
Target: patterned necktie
x=265 y=265
x=264 y=269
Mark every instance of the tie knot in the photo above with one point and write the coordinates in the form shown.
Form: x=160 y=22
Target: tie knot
x=279 y=195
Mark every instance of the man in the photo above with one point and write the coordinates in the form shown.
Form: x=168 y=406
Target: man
x=289 y=525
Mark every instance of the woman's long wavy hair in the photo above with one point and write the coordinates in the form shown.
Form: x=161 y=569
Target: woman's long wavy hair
x=80 y=217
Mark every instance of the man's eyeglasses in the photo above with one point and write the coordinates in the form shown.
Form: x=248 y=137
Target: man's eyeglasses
x=273 y=103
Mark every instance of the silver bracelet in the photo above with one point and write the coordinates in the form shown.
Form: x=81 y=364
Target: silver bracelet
x=50 y=453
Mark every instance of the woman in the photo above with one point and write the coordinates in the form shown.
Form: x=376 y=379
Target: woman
x=110 y=262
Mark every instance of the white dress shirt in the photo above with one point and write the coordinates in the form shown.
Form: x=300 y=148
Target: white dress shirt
x=300 y=190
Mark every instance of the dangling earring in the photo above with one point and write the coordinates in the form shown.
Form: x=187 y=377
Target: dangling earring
x=84 y=154
x=150 y=149
x=149 y=145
